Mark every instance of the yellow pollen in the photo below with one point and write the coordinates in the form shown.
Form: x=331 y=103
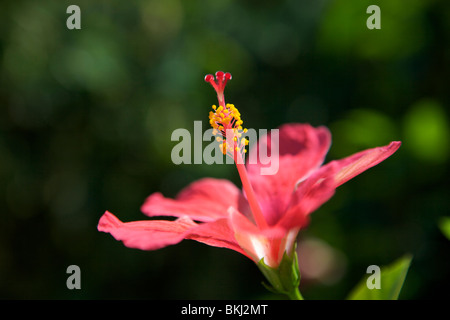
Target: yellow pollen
x=225 y=121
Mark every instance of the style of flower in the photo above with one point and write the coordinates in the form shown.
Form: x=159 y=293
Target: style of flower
x=263 y=220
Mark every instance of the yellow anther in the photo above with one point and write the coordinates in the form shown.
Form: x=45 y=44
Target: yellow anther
x=225 y=118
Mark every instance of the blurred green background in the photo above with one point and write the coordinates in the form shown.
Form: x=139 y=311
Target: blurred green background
x=86 y=118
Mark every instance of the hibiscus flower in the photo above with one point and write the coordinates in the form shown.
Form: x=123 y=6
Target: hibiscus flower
x=263 y=220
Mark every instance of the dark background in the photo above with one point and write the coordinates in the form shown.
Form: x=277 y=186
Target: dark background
x=86 y=118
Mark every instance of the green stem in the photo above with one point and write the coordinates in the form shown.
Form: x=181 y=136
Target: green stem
x=295 y=295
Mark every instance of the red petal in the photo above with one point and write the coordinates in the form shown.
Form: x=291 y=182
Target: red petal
x=145 y=235
x=269 y=243
x=156 y=234
x=302 y=149
x=216 y=234
x=320 y=186
x=204 y=200
x=359 y=162
x=308 y=197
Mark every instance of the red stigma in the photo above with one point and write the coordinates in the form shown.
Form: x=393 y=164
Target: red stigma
x=218 y=83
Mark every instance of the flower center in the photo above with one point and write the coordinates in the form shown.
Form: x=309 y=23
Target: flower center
x=227 y=124
x=226 y=119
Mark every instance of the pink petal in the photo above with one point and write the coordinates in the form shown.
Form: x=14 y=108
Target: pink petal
x=359 y=162
x=308 y=197
x=145 y=235
x=302 y=149
x=273 y=196
x=269 y=243
x=311 y=193
x=216 y=234
x=204 y=200
x=156 y=234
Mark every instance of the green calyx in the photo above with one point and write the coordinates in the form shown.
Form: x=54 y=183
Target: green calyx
x=285 y=279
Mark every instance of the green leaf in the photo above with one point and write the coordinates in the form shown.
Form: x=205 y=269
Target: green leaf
x=444 y=225
x=391 y=282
